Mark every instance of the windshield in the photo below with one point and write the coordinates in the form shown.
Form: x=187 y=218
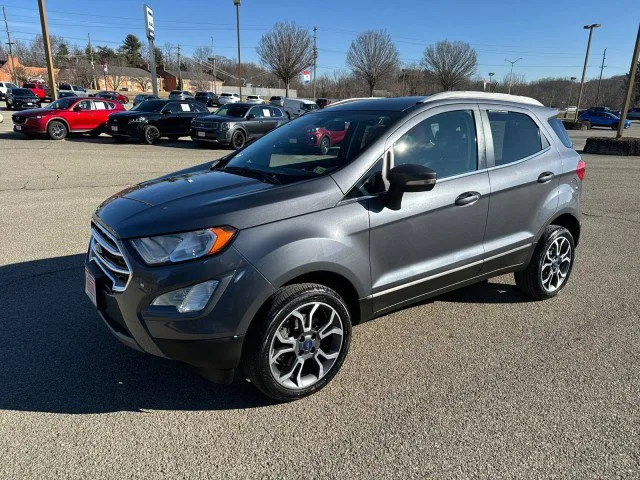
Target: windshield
x=232 y=110
x=312 y=145
x=22 y=91
x=61 y=104
x=309 y=106
x=149 y=106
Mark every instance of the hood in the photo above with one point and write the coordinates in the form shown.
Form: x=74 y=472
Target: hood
x=26 y=97
x=205 y=198
x=34 y=111
x=220 y=118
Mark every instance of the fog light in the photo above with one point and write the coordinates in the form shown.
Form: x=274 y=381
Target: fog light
x=188 y=299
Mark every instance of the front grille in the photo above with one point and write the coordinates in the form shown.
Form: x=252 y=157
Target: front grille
x=106 y=253
x=209 y=125
x=19 y=119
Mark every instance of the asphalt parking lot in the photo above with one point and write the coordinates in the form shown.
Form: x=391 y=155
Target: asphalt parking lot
x=478 y=383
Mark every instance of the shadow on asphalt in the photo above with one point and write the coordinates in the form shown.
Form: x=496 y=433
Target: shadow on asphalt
x=107 y=140
x=56 y=355
x=485 y=293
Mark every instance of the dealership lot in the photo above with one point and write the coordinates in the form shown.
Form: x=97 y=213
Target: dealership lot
x=478 y=383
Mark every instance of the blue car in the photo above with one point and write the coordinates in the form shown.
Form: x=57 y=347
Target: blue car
x=603 y=119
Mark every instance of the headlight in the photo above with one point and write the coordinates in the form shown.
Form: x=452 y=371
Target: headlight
x=179 y=247
x=137 y=119
x=313 y=129
x=224 y=126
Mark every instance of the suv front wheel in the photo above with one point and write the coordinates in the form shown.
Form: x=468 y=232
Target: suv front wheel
x=300 y=343
x=550 y=266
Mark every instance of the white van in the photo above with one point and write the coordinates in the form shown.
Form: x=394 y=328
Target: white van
x=294 y=107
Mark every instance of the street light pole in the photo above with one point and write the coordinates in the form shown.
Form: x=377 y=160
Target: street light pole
x=239 y=69
x=213 y=76
x=586 y=59
x=491 y=74
x=604 y=55
x=512 y=62
x=573 y=79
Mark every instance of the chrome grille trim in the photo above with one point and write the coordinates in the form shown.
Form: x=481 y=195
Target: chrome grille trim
x=102 y=238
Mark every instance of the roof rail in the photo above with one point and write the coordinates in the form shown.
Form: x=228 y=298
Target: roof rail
x=481 y=96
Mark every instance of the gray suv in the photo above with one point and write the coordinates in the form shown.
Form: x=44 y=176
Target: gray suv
x=262 y=261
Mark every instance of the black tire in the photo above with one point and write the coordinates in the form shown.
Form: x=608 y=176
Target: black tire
x=531 y=280
x=96 y=132
x=325 y=145
x=150 y=134
x=174 y=138
x=238 y=139
x=256 y=354
x=57 y=130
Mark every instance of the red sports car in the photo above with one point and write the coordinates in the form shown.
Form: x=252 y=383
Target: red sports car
x=327 y=136
x=69 y=114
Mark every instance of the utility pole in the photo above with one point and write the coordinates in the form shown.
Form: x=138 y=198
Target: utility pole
x=94 y=83
x=239 y=69
x=512 y=62
x=213 y=74
x=13 y=67
x=632 y=79
x=315 y=60
x=584 y=69
x=179 y=70
x=47 y=50
x=604 y=55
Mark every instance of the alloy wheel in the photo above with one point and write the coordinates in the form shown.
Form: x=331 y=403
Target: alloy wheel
x=306 y=345
x=325 y=144
x=556 y=264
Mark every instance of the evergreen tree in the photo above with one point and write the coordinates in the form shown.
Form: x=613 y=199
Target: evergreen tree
x=131 y=50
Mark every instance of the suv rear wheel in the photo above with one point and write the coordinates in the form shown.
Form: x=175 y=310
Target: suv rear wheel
x=550 y=266
x=300 y=343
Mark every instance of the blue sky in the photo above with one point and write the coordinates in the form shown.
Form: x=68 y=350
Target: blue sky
x=548 y=35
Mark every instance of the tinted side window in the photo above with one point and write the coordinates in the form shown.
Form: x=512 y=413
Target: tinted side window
x=198 y=108
x=84 y=105
x=172 y=108
x=446 y=143
x=256 y=112
x=515 y=136
x=276 y=112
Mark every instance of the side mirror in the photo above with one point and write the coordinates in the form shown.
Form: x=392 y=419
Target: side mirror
x=408 y=178
x=77 y=108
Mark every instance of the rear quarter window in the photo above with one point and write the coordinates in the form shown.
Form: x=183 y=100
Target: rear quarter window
x=515 y=136
x=560 y=131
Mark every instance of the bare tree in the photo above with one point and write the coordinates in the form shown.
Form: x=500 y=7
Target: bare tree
x=286 y=51
x=373 y=56
x=451 y=64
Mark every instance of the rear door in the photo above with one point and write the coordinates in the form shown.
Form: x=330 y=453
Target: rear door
x=102 y=110
x=523 y=170
x=253 y=123
x=435 y=238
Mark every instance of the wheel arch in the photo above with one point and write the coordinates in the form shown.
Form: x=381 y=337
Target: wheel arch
x=569 y=221
x=59 y=119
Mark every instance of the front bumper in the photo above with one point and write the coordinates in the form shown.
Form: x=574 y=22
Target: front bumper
x=204 y=134
x=25 y=105
x=128 y=130
x=30 y=127
x=210 y=339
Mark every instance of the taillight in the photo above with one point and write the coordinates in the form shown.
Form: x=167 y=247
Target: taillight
x=581 y=169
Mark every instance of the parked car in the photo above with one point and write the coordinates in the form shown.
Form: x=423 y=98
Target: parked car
x=603 y=109
x=75 y=89
x=276 y=101
x=236 y=123
x=208 y=99
x=633 y=114
x=322 y=102
x=66 y=115
x=21 y=98
x=150 y=120
x=65 y=94
x=141 y=97
x=259 y=99
x=263 y=260
x=111 y=95
x=603 y=119
x=180 y=95
x=40 y=89
x=4 y=86
x=325 y=135
x=226 y=97
x=294 y=107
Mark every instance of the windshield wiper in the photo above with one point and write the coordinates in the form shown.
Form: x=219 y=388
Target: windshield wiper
x=249 y=172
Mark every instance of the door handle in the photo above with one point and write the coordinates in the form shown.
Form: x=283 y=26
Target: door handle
x=467 y=198
x=545 y=177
